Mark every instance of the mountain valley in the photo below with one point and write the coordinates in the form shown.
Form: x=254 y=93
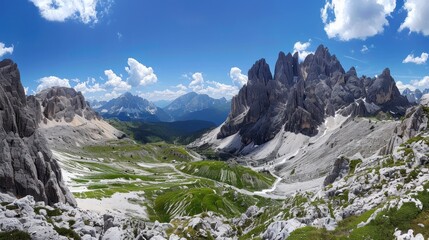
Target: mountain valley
x=309 y=152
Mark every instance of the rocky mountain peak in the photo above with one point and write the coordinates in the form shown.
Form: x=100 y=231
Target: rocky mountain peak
x=385 y=73
x=383 y=90
x=304 y=95
x=62 y=103
x=286 y=69
x=352 y=71
x=260 y=73
x=27 y=164
x=321 y=63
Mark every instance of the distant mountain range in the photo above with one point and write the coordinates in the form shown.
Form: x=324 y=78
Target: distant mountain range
x=191 y=106
x=128 y=107
x=414 y=96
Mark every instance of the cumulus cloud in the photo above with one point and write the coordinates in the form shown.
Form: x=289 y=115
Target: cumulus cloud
x=351 y=19
x=237 y=77
x=139 y=74
x=85 y=87
x=212 y=88
x=111 y=95
x=302 y=49
x=219 y=90
x=417 y=60
x=402 y=86
x=182 y=87
x=364 y=49
x=166 y=94
x=197 y=82
x=422 y=83
x=116 y=81
x=52 y=81
x=85 y=11
x=5 y=50
x=416 y=20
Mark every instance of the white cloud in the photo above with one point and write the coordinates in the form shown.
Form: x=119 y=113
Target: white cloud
x=364 y=49
x=182 y=87
x=237 y=77
x=111 y=95
x=5 y=50
x=116 y=82
x=26 y=90
x=417 y=60
x=416 y=20
x=422 y=83
x=402 y=86
x=139 y=74
x=85 y=11
x=219 y=90
x=119 y=35
x=85 y=87
x=166 y=94
x=351 y=19
x=52 y=81
x=212 y=88
x=414 y=84
x=301 y=49
x=197 y=82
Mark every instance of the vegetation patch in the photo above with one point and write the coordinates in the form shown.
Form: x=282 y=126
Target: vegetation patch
x=189 y=202
x=15 y=235
x=232 y=174
x=67 y=233
x=353 y=164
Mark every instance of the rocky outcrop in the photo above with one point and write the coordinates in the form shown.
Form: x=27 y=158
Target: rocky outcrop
x=62 y=103
x=414 y=122
x=341 y=168
x=27 y=166
x=302 y=95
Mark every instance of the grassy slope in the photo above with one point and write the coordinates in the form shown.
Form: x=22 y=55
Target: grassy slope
x=232 y=174
x=167 y=192
x=188 y=202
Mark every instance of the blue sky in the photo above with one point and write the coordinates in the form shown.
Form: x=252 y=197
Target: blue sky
x=162 y=49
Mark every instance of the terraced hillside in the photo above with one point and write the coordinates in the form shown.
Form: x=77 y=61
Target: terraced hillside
x=230 y=173
x=148 y=176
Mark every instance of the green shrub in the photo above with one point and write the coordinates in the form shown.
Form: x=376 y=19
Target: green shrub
x=15 y=235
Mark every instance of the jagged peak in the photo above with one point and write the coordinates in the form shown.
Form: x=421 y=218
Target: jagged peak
x=127 y=95
x=352 y=71
x=322 y=51
x=6 y=62
x=386 y=72
x=260 y=72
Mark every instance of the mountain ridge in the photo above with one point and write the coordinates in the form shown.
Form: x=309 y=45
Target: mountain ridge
x=194 y=106
x=130 y=107
x=28 y=167
x=301 y=95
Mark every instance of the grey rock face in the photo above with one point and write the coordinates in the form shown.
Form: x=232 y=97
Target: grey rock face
x=414 y=122
x=64 y=103
x=302 y=95
x=341 y=168
x=26 y=163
